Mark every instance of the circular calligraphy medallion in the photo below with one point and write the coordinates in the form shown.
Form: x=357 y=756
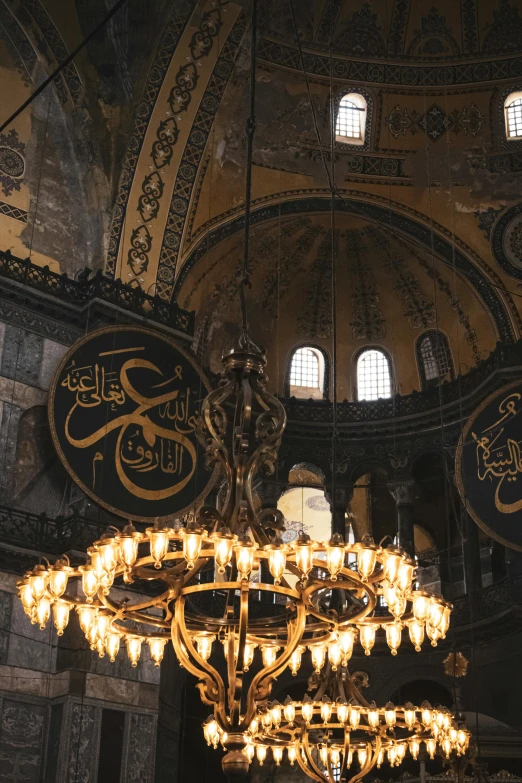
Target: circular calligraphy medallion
x=123 y=409
x=489 y=465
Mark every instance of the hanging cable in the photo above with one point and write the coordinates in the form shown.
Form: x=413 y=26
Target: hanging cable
x=250 y=130
x=57 y=71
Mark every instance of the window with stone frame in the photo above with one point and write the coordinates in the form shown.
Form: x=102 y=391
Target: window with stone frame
x=513 y=115
x=307 y=373
x=434 y=357
x=350 y=122
x=374 y=379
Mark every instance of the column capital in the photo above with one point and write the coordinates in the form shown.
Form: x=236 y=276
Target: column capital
x=404 y=491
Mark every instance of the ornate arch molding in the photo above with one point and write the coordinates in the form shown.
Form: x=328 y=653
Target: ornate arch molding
x=412 y=225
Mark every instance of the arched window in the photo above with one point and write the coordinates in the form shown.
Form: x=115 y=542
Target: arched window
x=351 y=119
x=513 y=115
x=373 y=375
x=307 y=374
x=434 y=358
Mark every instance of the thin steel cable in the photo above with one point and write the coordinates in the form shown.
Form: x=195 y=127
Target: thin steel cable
x=335 y=436
x=57 y=71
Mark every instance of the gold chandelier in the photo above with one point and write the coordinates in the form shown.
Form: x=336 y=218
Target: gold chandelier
x=338 y=735
x=205 y=599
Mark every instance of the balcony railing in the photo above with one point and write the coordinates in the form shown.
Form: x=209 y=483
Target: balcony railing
x=40 y=533
x=88 y=288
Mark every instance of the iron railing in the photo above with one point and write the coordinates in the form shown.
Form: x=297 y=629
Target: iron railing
x=87 y=288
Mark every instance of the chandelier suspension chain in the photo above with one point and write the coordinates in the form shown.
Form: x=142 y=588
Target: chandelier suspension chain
x=249 y=131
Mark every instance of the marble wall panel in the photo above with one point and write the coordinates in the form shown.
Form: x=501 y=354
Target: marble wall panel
x=139 y=767
x=21 y=355
x=51 y=356
x=21 y=739
x=83 y=744
x=6 y=601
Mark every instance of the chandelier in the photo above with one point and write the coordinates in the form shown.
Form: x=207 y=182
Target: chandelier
x=337 y=735
x=200 y=592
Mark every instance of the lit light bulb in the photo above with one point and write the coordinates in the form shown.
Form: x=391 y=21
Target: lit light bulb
x=289 y=710
x=249 y=751
x=446 y=747
x=89 y=582
x=133 y=649
x=109 y=550
x=362 y=755
x=43 y=611
x=436 y=614
x=277 y=753
x=462 y=738
x=157 y=649
x=61 y=611
x=86 y=616
x=25 y=593
x=392 y=755
x=223 y=548
x=323 y=755
x=58 y=576
x=346 y=642
x=431 y=747
x=373 y=718
x=367 y=637
x=276 y=560
x=307 y=709
x=128 y=540
x=248 y=655
x=354 y=716
x=295 y=659
x=304 y=554
x=366 y=558
x=335 y=555
x=334 y=654
x=326 y=709
x=159 y=544
x=445 y=622
x=103 y=625
x=405 y=575
x=342 y=712
x=392 y=559
x=261 y=753
x=409 y=715
x=269 y=654
x=380 y=758
x=245 y=552
x=414 y=748
x=401 y=751
x=38 y=579
x=335 y=757
x=275 y=712
x=292 y=754
x=420 y=605
x=390 y=715
x=266 y=720
x=318 y=654
x=253 y=727
x=112 y=645
x=426 y=713
x=390 y=594
x=349 y=759
x=416 y=631
x=433 y=634
x=211 y=732
x=92 y=636
x=204 y=644
x=100 y=647
x=393 y=636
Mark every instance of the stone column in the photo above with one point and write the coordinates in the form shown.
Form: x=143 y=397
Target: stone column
x=403 y=491
x=471 y=555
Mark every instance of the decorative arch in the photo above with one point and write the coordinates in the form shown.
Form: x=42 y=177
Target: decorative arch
x=326 y=367
x=431 y=237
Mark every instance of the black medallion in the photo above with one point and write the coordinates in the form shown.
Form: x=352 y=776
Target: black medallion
x=123 y=410
x=489 y=465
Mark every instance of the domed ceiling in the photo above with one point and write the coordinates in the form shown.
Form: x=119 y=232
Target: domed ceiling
x=406 y=29
x=388 y=292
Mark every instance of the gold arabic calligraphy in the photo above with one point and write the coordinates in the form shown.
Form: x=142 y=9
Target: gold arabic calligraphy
x=498 y=455
x=142 y=445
